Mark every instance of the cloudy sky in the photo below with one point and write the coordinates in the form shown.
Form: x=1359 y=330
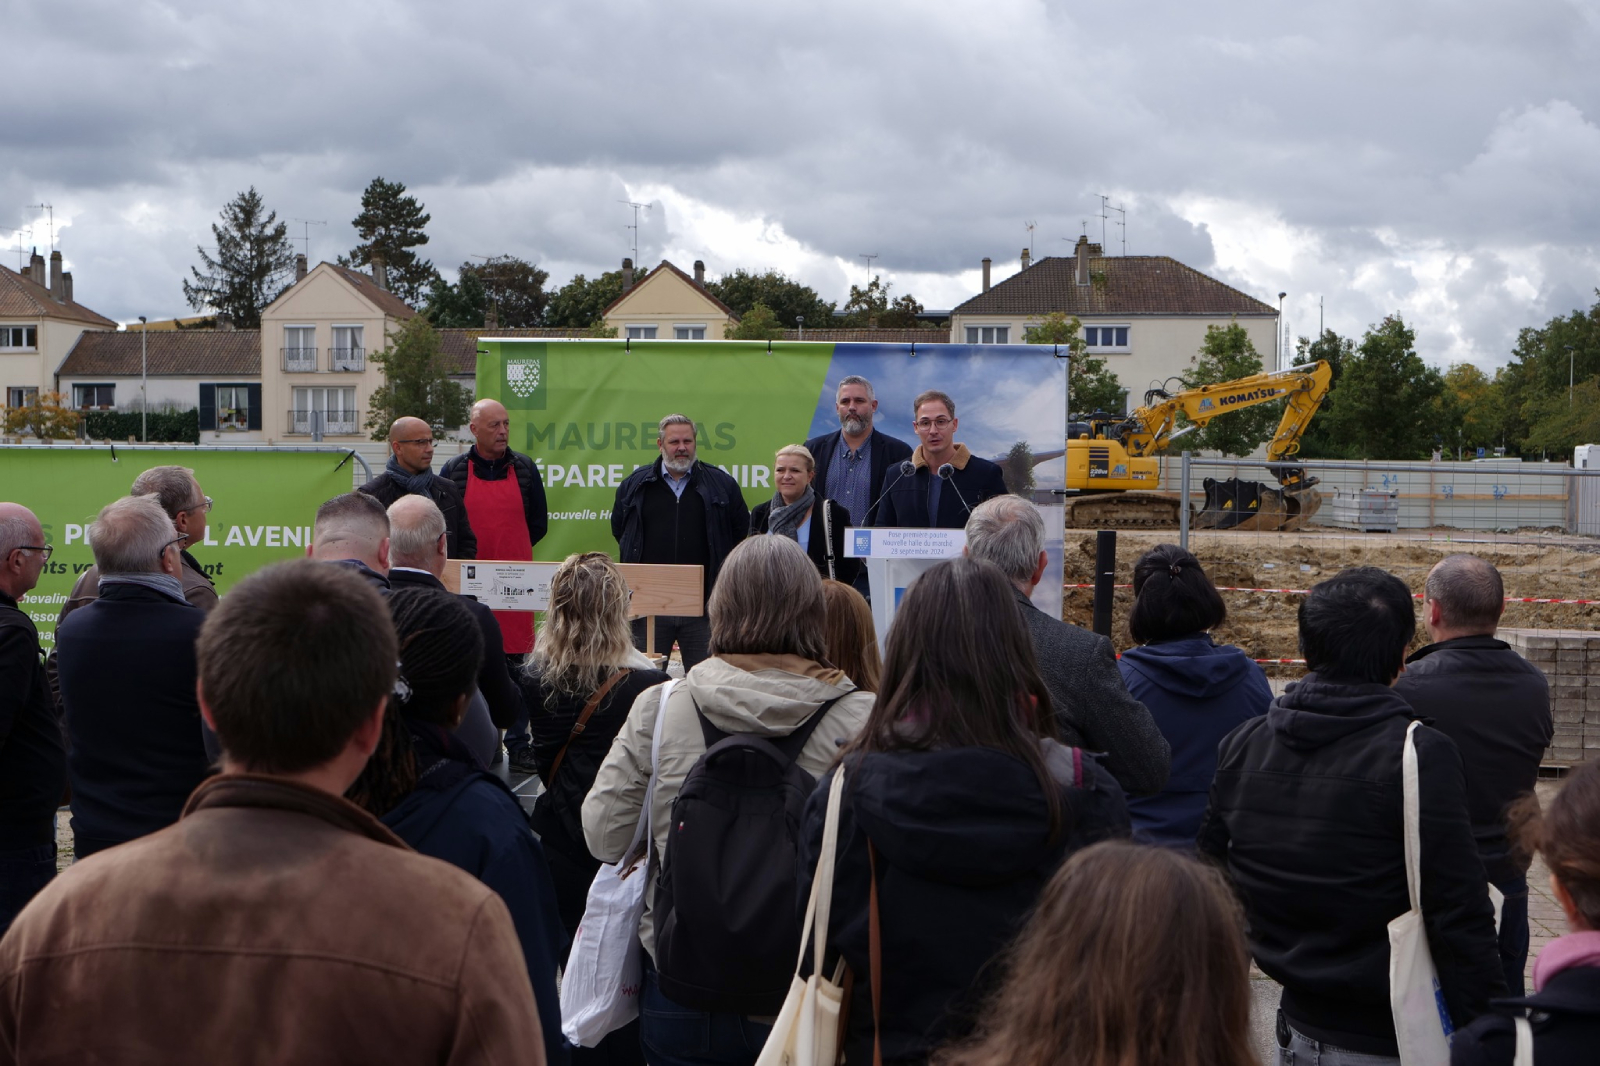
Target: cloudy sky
x=1439 y=159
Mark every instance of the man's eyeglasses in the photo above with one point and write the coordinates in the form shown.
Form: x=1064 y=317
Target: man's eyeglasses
x=419 y=440
x=932 y=423
x=180 y=542
x=47 y=549
x=204 y=505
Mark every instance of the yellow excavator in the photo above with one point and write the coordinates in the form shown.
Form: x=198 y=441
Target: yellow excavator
x=1112 y=459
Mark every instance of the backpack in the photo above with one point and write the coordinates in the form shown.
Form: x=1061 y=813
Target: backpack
x=727 y=901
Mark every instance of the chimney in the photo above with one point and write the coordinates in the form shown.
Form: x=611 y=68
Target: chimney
x=700 y=272
x=627 y=274
x=66 y=283
x=299 y=268
x=224 y=322
x=1027 y=258
x=55 y=277
x=36 y=268
x=380 y=272
x=986 y=265
x=1081 y=251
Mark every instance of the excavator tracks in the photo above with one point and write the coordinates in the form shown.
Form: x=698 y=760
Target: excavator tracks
x=1123 y=510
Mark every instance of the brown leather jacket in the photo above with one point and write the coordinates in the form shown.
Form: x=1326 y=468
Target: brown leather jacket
x=273 y=923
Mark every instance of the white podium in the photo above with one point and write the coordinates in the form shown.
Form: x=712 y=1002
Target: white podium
x=895 y=558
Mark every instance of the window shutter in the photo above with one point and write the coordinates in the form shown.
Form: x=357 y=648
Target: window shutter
x=208 y=407
x=253 y=397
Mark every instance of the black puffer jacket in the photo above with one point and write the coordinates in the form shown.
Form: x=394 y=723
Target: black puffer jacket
x=1496 y=706
x=1566 y=1025
x=459 y=539
x=1305 y=815
x=962 y=837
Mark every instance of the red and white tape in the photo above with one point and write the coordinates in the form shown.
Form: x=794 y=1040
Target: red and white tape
x=1302 y=592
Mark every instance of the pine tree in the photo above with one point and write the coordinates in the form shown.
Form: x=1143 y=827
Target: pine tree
x=391 y=223
x=252 y=266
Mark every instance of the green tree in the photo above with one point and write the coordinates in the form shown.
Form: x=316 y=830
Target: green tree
x=1474 y=406
x=786 y=298
x=1559 y=422
x=253 y=264
x=1337 y=352
x=416 y=382
x=1228 y=354
x=1091 y=386
x=872 y=308
x=1017 y=469
x=1389 y=402
x=581 y=303
x=391 y=223
x=514 y=288
x=758 y=324
x=463 y=305
x=1543 y=362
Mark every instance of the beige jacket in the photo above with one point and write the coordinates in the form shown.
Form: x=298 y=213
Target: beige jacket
x=764 y=695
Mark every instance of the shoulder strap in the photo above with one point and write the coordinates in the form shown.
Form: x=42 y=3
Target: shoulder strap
x=827 y=535
x=875 y=953
x=1411 y=804
x=1524 y=1053
x=583 y=719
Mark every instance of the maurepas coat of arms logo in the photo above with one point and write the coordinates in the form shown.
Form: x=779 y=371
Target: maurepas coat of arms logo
x=522 y=376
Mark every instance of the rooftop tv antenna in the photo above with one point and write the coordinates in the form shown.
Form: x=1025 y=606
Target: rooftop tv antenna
x=490 y=263
x=50 y=212
x=1030 y=226
x=306 y=224
x=1104 y=202
x=21 y=250
x=869 y=259
x=635 y=227
x=1122 y=223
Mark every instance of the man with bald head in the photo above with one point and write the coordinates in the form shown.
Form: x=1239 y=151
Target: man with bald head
x=410 y=472
x=1495 y=705
x=504 y=497
x=33 y=760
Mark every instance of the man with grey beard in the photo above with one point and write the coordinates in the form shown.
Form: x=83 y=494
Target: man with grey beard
x=682 y=511
x=852 y=463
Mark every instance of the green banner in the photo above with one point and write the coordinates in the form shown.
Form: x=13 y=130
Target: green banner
x=264 y=505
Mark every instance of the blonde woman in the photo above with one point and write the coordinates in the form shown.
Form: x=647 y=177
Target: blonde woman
x=585 y=648
x=795 y=511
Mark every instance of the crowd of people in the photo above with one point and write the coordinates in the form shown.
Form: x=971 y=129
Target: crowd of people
x=292 y=844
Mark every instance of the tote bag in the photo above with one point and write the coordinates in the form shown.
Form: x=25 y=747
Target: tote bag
x=1422 y=1023
x=600 y=987
x=806 y=1032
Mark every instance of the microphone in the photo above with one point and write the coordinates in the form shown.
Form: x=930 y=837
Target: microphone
x=944 y=475
x=906 y=469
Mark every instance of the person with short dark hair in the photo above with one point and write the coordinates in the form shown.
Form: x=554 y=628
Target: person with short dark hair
x=352 y=530
x=947 y=481
x=1476 y=690
x=960 y=803
x=127 y=674
x=682 y=511
x=431 y=790
x=1135 y=957
x=1196 y=690
x=1306 y=818
x=410 y=472
x=1093 y=707
x=1562 y=1018
x=274 y=912
x=33 y=770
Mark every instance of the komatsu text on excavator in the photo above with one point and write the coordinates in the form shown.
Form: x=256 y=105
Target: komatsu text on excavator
x=1112 y=459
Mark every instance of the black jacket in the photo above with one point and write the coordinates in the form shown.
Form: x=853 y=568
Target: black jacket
x=1305 y=816
x=884 y=451
x=962 y=837
x=33 y=760
x=843 y=569
x=1496 y=706
x=1566 y=1025
x=127 y=686
x=1093 y=707
x=973 y=481
x=494 y=676
x=727 y=517
x=528 y=480
x=459 y=541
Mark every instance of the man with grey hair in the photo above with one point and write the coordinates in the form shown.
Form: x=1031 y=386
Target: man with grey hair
x=682 y=511
x=853 y=461
x=417 y=558
x=1495 y=705
x=127 y=670
x=1094 y=710
x=32 y=757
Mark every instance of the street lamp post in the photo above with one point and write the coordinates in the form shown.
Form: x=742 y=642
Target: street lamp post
x=800 y=324
x=1568 y=347
x=1279 y=345
x=144 y=382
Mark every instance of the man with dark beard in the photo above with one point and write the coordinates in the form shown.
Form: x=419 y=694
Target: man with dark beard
x=682 y=511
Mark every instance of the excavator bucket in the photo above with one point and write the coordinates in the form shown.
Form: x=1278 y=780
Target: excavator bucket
x=1254 y=505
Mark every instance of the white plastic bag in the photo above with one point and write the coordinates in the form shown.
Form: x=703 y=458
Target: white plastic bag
x=1422 y=1023
x=600 y=987
x=806 y=1032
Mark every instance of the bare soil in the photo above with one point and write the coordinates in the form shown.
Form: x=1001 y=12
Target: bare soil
x=1534 y=563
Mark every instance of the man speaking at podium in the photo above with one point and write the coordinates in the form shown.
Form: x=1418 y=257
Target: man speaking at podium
x=946 y=481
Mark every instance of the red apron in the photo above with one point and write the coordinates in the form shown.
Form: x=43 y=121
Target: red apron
x=500 y=523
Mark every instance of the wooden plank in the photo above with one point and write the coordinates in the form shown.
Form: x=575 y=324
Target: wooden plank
x=657 y=588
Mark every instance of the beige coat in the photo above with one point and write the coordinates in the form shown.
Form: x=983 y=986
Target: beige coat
x=764 y=695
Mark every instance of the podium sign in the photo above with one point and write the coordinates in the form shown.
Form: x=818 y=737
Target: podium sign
x=895 y=558
x=508 y=586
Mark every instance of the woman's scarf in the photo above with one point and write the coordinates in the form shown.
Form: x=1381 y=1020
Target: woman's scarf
x=785 y=518
x=414 y=484
x=1565 y=953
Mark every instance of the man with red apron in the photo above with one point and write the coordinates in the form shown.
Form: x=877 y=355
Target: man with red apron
x=505 y=503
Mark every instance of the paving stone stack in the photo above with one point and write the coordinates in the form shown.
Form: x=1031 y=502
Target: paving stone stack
x=1568 y=657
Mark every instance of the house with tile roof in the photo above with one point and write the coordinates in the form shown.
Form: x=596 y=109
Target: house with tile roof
x=39 y=323
x=1145 y=315
x=217 y=371
x=667 y=304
